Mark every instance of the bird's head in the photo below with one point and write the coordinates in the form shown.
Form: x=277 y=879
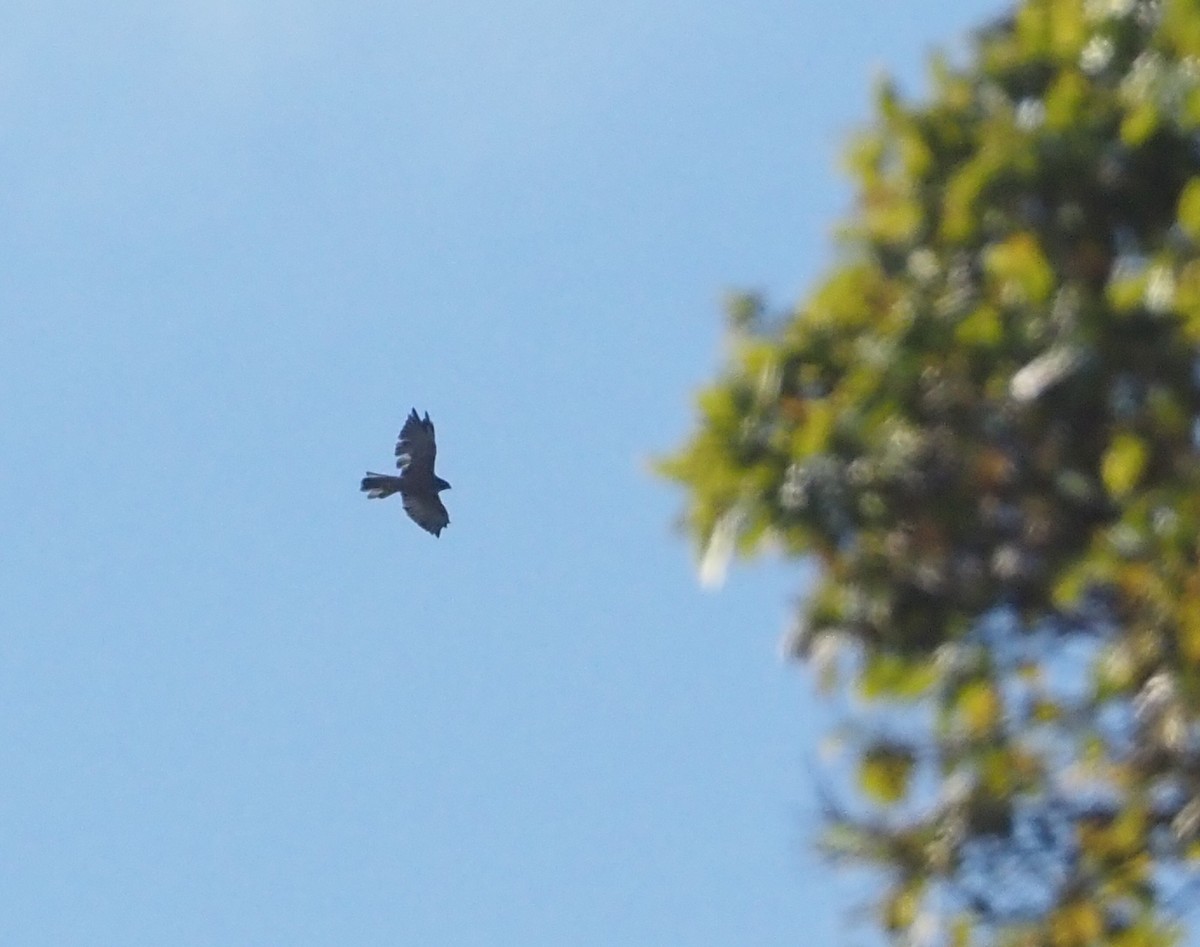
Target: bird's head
x=440 y=484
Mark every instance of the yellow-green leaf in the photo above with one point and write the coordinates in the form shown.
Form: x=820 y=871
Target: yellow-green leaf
x=1140 y=123
x=979 y=708
x=981 y=329
x=1021 y=269
x=883 y=774
x=1066 y=100
x=1189 y=209
x=1188 y=618
x=900 y=910
x=1076 y=924
x=1123 y=464
x=896 y=677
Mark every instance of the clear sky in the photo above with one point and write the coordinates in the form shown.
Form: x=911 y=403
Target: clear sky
x=240 y=704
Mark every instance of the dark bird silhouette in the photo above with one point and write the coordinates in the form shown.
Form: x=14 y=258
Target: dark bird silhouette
x=417 y=484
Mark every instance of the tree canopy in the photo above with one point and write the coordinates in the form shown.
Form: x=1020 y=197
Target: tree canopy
x=982 y=424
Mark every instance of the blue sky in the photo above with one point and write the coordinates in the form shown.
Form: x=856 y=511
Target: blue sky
x=239 y=703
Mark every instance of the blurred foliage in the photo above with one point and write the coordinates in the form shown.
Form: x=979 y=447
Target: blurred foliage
x=983 y=426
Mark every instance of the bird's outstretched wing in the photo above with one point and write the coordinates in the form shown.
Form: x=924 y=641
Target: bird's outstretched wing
x=426 y=510
x=417 y=484
x=416 y=449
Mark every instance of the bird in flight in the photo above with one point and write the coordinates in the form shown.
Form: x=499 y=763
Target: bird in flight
x=417 y=484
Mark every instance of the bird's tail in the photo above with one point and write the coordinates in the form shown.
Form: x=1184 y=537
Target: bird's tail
x=376 y=486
